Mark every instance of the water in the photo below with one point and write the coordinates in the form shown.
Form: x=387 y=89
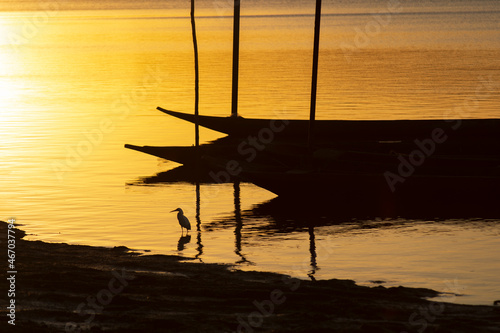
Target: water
x=78 y=84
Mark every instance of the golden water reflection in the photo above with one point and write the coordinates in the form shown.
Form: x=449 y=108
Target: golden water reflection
x=88 y=82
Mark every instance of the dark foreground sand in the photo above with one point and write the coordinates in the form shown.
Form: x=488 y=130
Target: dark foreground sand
x=66 y=288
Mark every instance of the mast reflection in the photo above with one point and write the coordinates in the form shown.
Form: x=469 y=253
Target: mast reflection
x=199 y=247
x=239 y=224
x=312 y=250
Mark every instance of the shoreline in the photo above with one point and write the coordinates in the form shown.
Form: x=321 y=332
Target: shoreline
x=73 y=288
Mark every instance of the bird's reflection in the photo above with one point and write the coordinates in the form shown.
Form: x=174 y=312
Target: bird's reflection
x=181 y=244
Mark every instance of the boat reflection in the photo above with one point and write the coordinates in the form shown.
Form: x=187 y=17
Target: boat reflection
x=288 y=214
x=180 y=174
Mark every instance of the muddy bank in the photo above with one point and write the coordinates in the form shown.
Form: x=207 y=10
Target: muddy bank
x=68 y=288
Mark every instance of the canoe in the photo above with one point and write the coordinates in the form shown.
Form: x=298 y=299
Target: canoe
x=378 y=158
x=182 y=155
x=189 y=155
x=476 y=130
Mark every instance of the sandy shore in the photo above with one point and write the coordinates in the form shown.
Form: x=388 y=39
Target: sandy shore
x=68 y=288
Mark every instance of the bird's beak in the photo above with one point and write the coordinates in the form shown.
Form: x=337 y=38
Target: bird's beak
x=173 y=211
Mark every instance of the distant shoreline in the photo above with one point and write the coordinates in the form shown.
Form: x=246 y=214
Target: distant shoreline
x=64 y=288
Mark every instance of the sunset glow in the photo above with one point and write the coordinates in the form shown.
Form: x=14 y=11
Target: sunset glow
x=408 y=94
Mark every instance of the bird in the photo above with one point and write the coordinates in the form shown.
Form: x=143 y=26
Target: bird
x=183 y=220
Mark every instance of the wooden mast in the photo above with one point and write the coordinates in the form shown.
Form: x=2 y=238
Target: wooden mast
x=196 y=79
x=314 y=84
x=236 y=53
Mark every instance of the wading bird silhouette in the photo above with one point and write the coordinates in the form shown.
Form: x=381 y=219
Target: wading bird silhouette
x=183 y=221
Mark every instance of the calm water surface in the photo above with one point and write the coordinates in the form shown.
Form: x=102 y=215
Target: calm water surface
x=76 y=85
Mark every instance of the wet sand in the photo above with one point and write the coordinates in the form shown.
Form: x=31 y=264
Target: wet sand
x=69 y=288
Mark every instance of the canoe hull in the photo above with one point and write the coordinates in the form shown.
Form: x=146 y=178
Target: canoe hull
x=351 y=130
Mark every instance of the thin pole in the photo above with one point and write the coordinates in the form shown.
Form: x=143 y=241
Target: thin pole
x=314 y=85
x=236 y=55
x=196 y=78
